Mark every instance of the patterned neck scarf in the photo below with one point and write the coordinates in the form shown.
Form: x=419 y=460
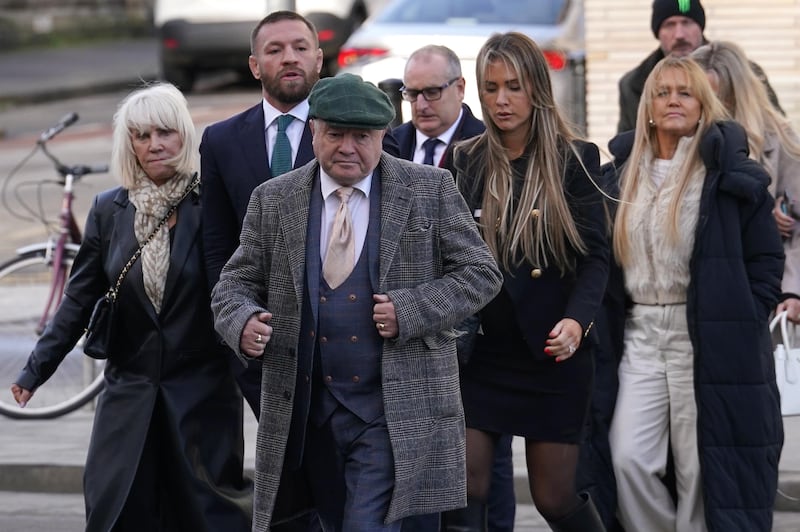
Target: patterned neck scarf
x=152 y=203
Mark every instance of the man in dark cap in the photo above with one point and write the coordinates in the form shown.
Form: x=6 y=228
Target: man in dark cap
x=349 y=277
x=678 y=25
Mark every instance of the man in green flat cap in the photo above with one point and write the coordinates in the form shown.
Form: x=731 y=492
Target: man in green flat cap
x=350 y=275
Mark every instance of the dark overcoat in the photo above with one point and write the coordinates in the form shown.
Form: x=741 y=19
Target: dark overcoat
x=735 y=269
x=435 y=268
x=166 y=374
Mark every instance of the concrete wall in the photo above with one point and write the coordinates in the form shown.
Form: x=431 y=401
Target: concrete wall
x=618 y=38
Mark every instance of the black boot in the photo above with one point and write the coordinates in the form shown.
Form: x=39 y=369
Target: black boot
x=473 y=518
x=584 y=518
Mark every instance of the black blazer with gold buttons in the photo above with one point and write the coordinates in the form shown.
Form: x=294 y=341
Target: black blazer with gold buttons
x=541 y=296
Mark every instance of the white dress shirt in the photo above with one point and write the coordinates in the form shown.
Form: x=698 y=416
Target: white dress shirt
x=294 y=131
x=438 y=153
x=359 y=211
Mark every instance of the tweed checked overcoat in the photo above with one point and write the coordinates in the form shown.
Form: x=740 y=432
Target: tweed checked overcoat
x=435 y=268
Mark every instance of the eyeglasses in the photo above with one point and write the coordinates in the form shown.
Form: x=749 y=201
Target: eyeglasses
x=429 y=93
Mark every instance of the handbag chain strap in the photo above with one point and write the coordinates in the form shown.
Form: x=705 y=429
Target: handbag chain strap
x=112 y=292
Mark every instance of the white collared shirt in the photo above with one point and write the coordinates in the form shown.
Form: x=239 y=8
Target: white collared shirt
x=438 y=153
x=294 y=131
x=359 y=211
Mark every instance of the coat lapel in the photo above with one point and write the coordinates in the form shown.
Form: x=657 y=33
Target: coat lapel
x=187 y=229
x=305 y=152
x=294 y=226
x=395 y=209
x=123 y=245
x=252 y=139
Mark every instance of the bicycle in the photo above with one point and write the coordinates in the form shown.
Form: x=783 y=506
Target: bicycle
x=31 y=288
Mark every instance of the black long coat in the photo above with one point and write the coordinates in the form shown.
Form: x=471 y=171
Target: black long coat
x=735 y=269
x=166 y=376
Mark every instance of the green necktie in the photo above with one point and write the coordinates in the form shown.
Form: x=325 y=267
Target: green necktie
x=282 y=150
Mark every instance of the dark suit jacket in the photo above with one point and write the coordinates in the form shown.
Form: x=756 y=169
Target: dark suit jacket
x=406 y=137
x=233 y=161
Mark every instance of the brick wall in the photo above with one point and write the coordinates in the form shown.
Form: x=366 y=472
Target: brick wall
x=618 y=37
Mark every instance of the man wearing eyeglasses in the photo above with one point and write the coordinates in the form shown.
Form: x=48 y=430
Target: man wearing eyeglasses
x=433 y=84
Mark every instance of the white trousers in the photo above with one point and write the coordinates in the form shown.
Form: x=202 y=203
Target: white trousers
x=656 y=408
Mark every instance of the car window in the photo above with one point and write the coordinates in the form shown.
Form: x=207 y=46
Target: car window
x=517 y=12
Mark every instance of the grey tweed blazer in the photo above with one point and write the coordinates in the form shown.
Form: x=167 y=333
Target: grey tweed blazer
x=435 y=268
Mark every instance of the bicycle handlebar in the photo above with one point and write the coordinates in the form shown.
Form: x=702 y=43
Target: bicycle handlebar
x=81 y=169
x=66 y=121
x=77 y=171
x=36 y=213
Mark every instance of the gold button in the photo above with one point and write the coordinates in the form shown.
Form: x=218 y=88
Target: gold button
x=352 y=297
x=536 y=273
x=354 y=339
x=356 y=378
x=535 y=213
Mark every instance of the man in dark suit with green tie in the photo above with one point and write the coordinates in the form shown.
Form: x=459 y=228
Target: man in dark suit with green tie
x=266 y=140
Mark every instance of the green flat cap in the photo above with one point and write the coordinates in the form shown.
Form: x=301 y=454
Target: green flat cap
x=348 y=101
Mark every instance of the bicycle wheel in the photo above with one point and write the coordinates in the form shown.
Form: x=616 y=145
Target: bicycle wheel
x=24 y=287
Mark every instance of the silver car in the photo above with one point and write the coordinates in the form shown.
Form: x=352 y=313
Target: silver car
x=379 y=49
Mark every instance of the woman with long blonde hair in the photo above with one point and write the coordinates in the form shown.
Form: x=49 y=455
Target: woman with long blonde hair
x=531 y=185
x=702 y=261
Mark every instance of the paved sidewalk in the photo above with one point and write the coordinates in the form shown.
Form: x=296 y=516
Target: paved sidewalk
x=48 y=456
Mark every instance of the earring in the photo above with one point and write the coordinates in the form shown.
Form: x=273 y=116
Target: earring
x=651 y=123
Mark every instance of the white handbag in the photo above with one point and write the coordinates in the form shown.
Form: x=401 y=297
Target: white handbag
x=787 y=367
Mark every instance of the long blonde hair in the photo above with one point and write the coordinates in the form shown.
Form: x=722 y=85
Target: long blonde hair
x=645 y=146
x=157 y=104
x=745 y=97
x=512 y=235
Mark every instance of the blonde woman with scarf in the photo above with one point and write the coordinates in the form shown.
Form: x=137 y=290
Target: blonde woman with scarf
x=166 y=447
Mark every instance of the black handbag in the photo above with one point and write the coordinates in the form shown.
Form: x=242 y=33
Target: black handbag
x=100 y=330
